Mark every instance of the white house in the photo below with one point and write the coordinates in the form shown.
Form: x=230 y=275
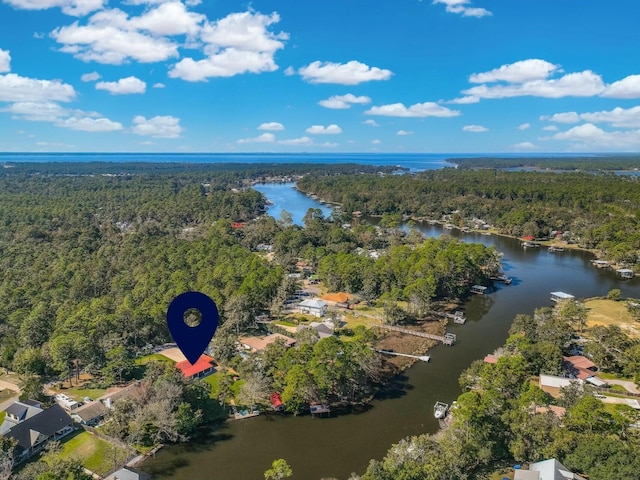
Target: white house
x=313 y=306
x=546 y=470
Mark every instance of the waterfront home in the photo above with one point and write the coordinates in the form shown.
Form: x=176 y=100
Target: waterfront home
x=34 y=433
x=90 y=413
x=546 y=470
x=257 y=344
x=115 y=394
x=583 y=369
x=313 y=306
x=200 y=369
x=19 y=412
x=276 y=402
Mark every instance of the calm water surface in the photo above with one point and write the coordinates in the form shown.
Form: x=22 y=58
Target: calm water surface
x=334 y=447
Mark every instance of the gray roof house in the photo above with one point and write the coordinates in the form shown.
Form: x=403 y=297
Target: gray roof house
x=546 y=470
x=19 y=412
x=33 y=433
x=313 y=306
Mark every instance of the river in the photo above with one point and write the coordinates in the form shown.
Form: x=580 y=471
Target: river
x=334 y=447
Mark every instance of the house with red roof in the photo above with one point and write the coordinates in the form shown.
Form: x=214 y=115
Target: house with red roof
x=202 y=368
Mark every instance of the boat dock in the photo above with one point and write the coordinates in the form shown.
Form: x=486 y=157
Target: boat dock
x=424 y=358
x=457 y=317
x=502 y=278
x=244 y=413
x=448 y=339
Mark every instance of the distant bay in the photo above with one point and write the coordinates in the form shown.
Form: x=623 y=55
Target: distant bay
x=412 y=161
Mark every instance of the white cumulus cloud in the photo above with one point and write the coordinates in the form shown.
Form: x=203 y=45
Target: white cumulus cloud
x=159 y=85
x=628 y=87
x=157 y=127
x=124 y=86
x=91 y=77
x=524 y=126
x=88 y=124
x=461 y=7
x=332 y=129
x=344 y=101
x=475 y=128
x=402 y=133
x=263 y=138
x=426 y=109
x=618 y=117
x=239 y=43
x=15 y=88
x=581 y=84
x=109 y=37
x=350 y=73
x=76 y=8
x=588 y=136
x=566 y=117
x=518 y=72
x=376 y=142
x=371 y=122
x=550 y=128
x=273 y=126
x=5 y=61
x=464 y=100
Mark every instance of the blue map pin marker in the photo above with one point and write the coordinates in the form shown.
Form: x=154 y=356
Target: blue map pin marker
x=192 y=341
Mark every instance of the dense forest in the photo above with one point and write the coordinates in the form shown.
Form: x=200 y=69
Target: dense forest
x=90 y=262
x=584 y=164
x=593 y=211
x=503 y=416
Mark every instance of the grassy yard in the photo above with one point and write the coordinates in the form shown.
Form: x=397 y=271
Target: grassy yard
x=94 y=453
x=79 y=392
x=2 y=415
x=609 y=312
x=6 y=394
x=153 y=357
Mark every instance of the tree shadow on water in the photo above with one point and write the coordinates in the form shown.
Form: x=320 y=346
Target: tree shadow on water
x=397 y=387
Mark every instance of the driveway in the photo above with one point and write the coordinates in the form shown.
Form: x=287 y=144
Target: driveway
x=630 y=386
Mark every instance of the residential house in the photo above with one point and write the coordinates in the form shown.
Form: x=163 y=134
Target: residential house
x=257 y=344
x=583 y=369
x=546 y=470
x=313 y=306
x=19 y=412
x=90 y=413
x=323 y=329
x=33 y=433
x=200 y=369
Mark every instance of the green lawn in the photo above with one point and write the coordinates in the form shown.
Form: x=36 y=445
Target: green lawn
x=86 y=390
x=153 y=357
x=2 y=414
x=285 y=323
x=214 y=379
x=94 y=453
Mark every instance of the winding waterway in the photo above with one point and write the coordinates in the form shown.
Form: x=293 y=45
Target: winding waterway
x=334 y=447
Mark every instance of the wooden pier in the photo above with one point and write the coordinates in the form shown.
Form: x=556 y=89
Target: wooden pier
x=424 y=358
x=448 y=339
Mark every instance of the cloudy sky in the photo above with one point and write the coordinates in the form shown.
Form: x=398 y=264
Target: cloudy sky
x=330 y=76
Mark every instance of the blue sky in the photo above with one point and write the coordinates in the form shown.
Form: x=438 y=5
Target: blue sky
x=330 y=76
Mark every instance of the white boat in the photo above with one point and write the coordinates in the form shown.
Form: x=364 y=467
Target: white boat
x=440 y=410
